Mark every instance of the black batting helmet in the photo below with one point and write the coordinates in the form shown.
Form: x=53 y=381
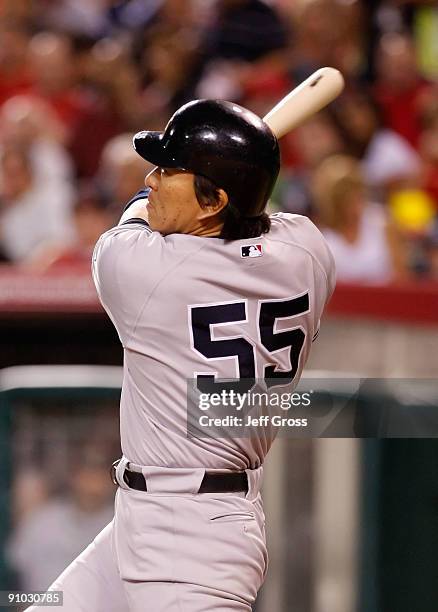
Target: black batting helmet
x=224 y=142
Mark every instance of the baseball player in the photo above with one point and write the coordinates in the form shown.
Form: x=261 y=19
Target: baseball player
x=199 y=283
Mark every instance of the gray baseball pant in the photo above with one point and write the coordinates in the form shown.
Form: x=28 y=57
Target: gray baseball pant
x=171 y=549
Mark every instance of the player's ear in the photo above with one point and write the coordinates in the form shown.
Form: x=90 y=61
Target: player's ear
x=222 y=200
x=213 y=207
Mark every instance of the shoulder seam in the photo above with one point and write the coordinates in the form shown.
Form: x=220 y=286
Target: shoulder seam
x=303 y=248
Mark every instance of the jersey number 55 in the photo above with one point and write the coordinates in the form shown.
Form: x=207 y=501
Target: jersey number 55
x=204 y=318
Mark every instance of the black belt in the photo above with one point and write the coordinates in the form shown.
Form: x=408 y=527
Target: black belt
x=213 y=482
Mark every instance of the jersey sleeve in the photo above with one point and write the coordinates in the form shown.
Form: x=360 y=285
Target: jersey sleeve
x=127 y=262
x=300 y=231
x=324 y=272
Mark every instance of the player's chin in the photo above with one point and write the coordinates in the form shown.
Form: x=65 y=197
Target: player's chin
x=152 y=220
x=158 y=223
x=156 y=226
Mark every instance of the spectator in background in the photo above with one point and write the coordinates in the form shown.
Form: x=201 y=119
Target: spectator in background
x=23 y=10
x=302 y=151
x=246 y=30
x=15 y=75
x=432 y=252
x=48 y=539
x=93 y=91
x=400 y=91
x=243 y=40
x=263 y=91
x=102 y=18
x=121 y=172
x=91 y=218
x=327 y=33
x=167 y=59
x=365 y=247
x=110 y=88
x=32 y=212
x=86 y=17
x=428 y=146
x=389 y=162
x=52 y=65
x=30 y=489
x=32 y=125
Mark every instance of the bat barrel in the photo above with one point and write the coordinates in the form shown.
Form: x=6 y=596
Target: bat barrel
x=321 y=88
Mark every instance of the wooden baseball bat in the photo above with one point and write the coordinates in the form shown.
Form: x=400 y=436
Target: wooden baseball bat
x=321 y=88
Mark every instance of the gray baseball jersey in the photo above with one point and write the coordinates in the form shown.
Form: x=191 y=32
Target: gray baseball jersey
x=186 y=306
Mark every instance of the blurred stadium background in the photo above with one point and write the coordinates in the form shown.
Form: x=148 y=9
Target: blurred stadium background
x=352 y=524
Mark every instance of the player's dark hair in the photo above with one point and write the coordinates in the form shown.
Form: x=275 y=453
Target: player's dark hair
x=235 y=227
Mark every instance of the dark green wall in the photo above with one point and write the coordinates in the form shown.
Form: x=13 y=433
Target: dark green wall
x=400 y=526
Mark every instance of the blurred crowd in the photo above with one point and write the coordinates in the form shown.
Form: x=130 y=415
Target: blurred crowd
x=61 y=495
x=79 y=77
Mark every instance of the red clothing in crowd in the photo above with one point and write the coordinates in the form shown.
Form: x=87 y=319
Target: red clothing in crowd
x=430 y=181
x=402 y=109
x=14 y=84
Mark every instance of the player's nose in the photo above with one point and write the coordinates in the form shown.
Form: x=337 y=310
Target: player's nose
x=152 y=179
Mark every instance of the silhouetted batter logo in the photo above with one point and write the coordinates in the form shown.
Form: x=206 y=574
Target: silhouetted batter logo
x=251 y=250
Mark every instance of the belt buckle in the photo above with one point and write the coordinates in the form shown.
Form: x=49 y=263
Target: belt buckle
x=113 y=471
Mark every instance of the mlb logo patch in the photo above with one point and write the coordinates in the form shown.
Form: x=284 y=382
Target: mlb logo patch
x=251 y=250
